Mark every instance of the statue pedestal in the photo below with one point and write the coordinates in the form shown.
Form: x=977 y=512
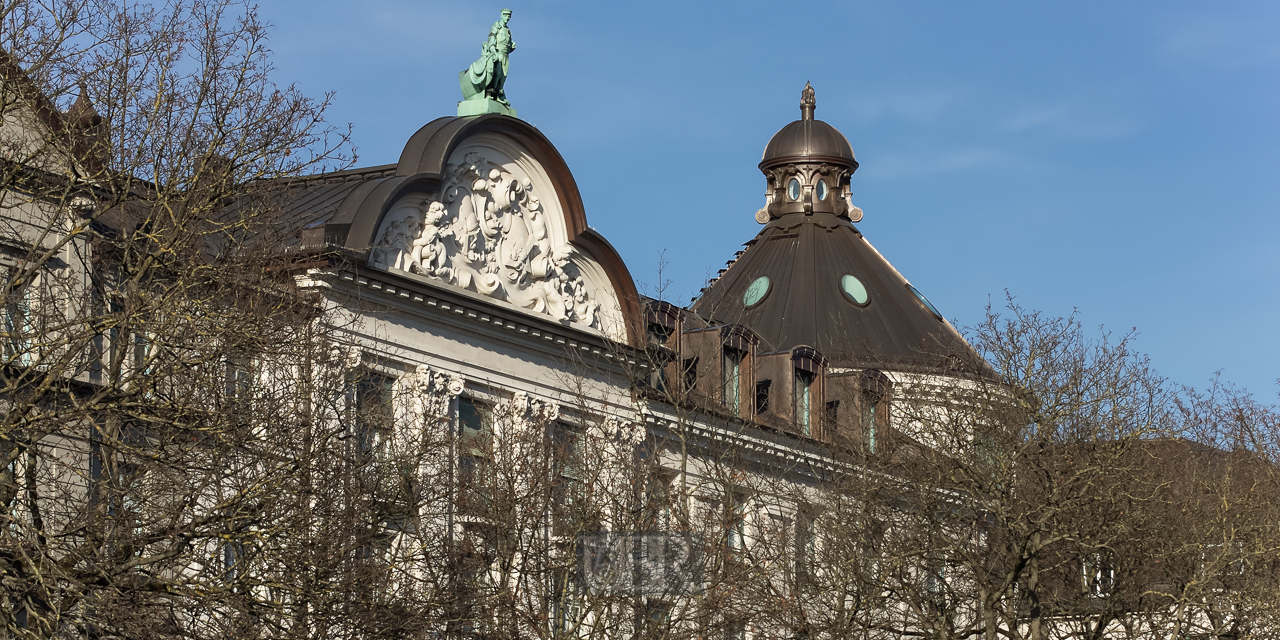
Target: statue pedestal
x=480 y=105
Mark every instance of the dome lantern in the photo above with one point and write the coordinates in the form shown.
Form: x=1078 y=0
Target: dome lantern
x=808 y=164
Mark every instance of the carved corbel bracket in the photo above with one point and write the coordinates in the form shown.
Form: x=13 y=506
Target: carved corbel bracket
x=434 y=390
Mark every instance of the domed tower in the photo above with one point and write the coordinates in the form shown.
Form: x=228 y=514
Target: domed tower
x=810 y=278
x=808 y=164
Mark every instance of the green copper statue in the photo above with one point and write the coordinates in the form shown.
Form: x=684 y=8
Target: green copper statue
x=482 y=83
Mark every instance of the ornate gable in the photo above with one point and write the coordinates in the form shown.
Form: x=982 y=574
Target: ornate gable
x=496 y=227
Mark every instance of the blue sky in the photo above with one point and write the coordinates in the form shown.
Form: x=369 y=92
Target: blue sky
x=1121 y=159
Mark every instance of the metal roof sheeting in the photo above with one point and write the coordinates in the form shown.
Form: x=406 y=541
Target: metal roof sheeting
x=806 y=257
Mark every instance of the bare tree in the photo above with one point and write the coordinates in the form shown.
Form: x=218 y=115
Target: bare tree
x=192 y=444
x=162 y=382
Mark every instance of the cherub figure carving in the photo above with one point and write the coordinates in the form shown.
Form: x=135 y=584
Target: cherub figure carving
x=428 y=252
x=559 y=297
x=584 y=308
x=490 y=223
x=396 y=242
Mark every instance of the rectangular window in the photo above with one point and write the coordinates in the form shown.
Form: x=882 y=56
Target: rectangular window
x=658 y=377
x=475 y=421
x=141 y=353
x=9 y=472
x=118 y=354
x=736 y=630
x=732 y=378
x=658 y=335
x=96 y=465
x=567 y=449
x=567 y=456
x=239 y=396
x=239 y=380
x=657 y=617
x=376 y=550
x=1099 y=574
x=658 y=502
x=803 y=401
x=870 y=421
x=17 y=327
x=762 y=396
x=126 y=504
x=806 y=546
x=736 y=524
x=689 y=373
x=936 y=585
x=374 y=411
x=232 y=560
x=568 y=605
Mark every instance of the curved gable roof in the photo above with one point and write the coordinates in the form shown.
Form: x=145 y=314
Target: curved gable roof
x=421 y=169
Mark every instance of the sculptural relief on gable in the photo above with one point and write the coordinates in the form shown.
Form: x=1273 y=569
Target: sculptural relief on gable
x=490 y=231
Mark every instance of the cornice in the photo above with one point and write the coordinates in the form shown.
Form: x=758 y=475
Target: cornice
x=463 y=308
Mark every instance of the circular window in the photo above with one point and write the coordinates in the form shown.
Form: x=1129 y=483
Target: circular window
x=925 y=301
x=822 y=189
x=793 y=189
x=756 y=292
x=852 y=289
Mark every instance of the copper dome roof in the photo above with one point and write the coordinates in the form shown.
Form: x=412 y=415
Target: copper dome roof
x=808 y=140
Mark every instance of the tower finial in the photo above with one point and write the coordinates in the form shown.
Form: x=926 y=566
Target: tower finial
x=82 y=112
x=807 y=102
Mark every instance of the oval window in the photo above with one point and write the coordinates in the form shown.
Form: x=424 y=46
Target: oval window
x=853 y=290
x=925 y=301
x=822 y=189
x=756 y=292
x=793 y=189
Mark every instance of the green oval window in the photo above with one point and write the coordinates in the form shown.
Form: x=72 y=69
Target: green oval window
x=793 y=189
x=756 y=292
x=822 y=189
x=853 y=289
x=925 y=301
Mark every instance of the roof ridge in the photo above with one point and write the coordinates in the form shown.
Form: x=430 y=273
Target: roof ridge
x=345 y=175
x=333 y=177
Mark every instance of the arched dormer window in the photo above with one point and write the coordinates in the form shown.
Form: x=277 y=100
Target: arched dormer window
x=737 y=382
x=807 y=367
x=662 y=337
x=873 y=405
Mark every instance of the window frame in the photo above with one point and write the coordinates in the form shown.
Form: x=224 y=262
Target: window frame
x=1098 y=574
x=802 y=392
x=732 y=361
x=18 y=323
x=473 y=453
x=371 y=437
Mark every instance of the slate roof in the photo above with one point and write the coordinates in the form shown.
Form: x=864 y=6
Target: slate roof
x=305 y=203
